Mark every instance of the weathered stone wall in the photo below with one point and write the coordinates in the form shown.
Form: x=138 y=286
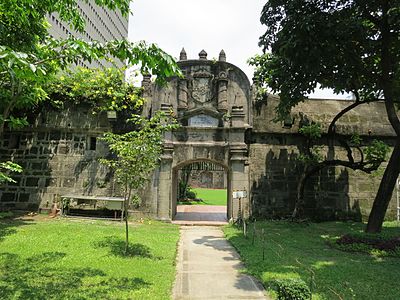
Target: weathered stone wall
x=220 y=124
x=334 y=192
x=59 y=154
x=208 y=179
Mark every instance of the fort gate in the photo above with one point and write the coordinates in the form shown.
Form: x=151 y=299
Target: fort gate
x=212 y=102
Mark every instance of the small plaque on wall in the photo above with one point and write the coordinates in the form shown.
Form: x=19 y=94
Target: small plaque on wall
x=239 y=194
x=203 y=121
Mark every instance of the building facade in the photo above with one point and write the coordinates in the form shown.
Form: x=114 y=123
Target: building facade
x=222 y=123
x=102 y=25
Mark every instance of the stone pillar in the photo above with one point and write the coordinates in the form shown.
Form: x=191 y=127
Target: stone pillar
x=238 y=116
x=239 y=179
x=146 y=85
x=164 y=184
x=223 y=92
x=167 y=109
x=182 y=94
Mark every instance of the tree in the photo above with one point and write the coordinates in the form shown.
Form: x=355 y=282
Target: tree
x=366 y=159
x=102 y=89
x=349 y=46
x=6 y=168
x=29 y=57
x=137 y=153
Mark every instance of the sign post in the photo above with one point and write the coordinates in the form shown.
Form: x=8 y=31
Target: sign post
x=239 y=195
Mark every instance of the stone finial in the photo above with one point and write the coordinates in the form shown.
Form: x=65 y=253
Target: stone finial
x=183 y=55
x=222 y=55
x=203 y=55
x=146 y=79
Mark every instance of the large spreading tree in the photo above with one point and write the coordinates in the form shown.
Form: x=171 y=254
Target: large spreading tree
x=30 y=57
x=350 y=46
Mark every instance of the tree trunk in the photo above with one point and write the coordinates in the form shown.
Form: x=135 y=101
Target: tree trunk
x=126 y=228
x=307 y=173
x=300 y=194
x=385 y=191
x=128 y=192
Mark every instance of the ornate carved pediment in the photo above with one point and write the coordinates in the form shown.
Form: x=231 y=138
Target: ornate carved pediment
x=203 y=110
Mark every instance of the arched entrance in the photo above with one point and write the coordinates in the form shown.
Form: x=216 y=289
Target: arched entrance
x=212 y=103
x=201 y=191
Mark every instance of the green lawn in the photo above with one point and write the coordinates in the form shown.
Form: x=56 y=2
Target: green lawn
x=209 y=197
x=292 y=250
x=82 y=259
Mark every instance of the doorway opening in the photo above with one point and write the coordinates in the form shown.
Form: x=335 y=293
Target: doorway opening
x=201 y=192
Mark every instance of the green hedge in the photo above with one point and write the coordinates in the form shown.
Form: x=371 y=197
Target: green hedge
x=291 y=289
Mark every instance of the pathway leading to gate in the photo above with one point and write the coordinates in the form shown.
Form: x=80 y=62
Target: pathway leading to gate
x=200 y=215
x=208 y=267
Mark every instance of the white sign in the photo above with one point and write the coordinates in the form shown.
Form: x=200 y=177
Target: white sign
x=239 y=194
x=203 y=121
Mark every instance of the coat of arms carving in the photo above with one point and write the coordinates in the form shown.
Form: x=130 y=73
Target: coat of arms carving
x=202 y=87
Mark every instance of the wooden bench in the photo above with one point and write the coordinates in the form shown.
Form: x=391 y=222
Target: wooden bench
x=115 y=203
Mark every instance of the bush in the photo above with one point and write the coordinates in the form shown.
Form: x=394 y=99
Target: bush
x=291 y=289
x=6 y=214
x=185 y=191
x=191 y=194
x=363 y=242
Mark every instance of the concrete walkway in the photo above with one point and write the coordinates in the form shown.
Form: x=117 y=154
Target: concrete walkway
x=200 y=215
x=208 y=267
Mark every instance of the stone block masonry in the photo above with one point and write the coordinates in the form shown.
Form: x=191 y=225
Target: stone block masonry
x=221 y=123
x=59 y=155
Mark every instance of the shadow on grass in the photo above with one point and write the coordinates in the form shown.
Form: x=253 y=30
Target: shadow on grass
x=116 y=247
x=8 y=226
x=37 y=277
x=293 y=251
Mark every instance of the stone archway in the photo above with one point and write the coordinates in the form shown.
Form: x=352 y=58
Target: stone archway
x=175 y=182
x=212 y=103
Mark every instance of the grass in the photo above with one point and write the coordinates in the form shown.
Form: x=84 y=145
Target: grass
x=209 y=197
x=82 y=259
x=5 y=214
x=299 y=250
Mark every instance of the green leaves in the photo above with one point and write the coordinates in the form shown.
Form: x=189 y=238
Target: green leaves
x=376 y=152
x=6 y=168
x=103 y=89
x=312 y=131
x=336 y=44
x=138 y=152
x=29 y=57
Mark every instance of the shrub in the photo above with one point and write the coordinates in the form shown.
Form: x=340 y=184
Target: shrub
x=191 y=194
x=361 y=242
x=291 y=289
x=6 y=214
x=185 y=191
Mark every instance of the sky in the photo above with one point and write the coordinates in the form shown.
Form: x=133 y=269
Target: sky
x=212 y=25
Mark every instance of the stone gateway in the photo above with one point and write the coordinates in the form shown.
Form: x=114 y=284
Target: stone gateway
x=222 y=123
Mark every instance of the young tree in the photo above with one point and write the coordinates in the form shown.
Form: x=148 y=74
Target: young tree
x=350 y=46
x=137 y=153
